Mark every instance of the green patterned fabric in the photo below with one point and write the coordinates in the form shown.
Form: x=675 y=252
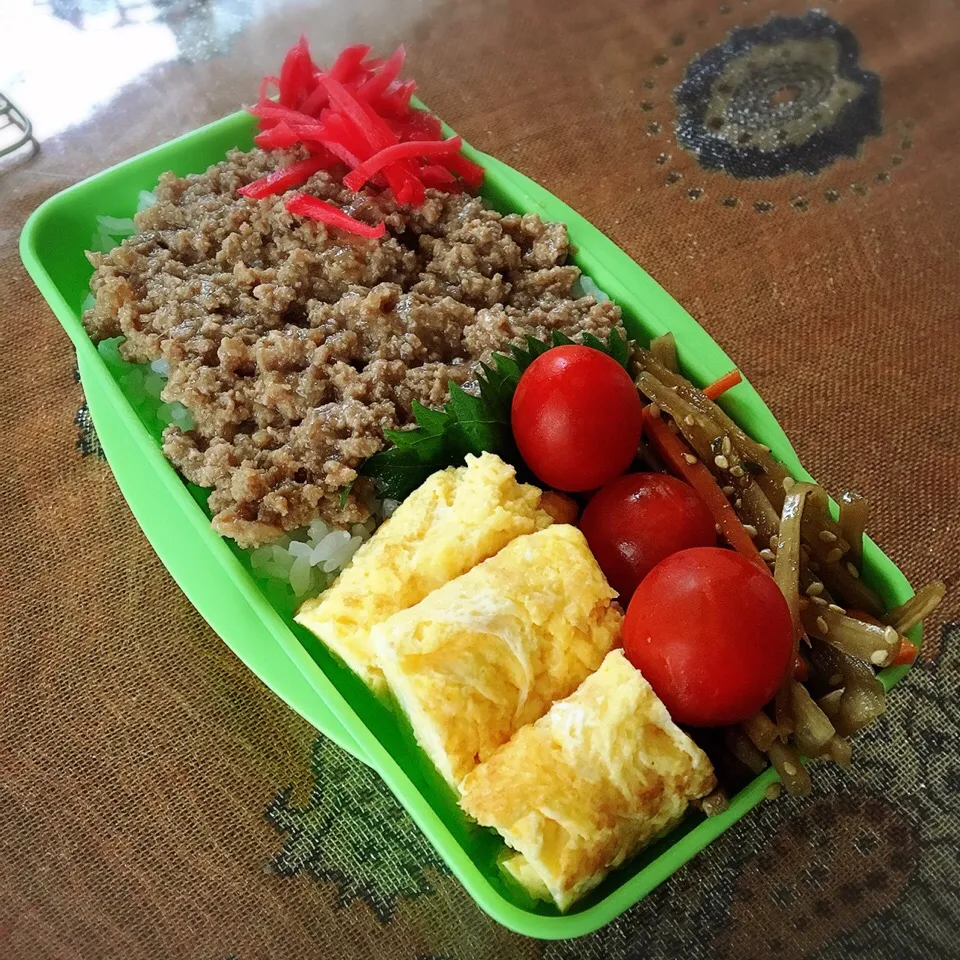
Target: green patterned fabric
x=863 y=869
x=353 y=833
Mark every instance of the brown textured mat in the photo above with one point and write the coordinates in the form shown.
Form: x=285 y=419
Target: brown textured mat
x=157 y=801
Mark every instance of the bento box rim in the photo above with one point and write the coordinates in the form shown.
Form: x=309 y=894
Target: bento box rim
x=638 y=294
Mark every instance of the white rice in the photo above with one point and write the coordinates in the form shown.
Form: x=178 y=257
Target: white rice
x=145 y=199
x=141 y=381
x=112 y=230
x=153 y=383
x=310 y=558
x=117 y=226
x=585 y=287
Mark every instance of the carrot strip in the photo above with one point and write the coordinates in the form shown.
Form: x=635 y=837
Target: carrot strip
x=419 y=126
x=315 y=101
x=371 y=126
x=371 y=89
x=433 y=175
x=674 y=453
x=471 y=173
x=274 y=112
x=295 y=73
x=395 y=102
x=906 y=654
x=267 y=82
x=722 y=385
x=412 y=149
x=348 y=64
x=908 y=649
x=282 y=180
x=277 y=138
x=304 y=205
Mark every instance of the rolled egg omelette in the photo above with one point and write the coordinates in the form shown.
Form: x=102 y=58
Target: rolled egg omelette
x=593 y=781
x=456 y=519
x=496 y=632
x=490 y=651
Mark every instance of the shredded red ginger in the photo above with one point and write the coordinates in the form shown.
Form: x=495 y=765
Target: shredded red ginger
x=357 y=113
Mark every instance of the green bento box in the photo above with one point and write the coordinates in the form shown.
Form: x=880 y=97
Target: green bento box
x=257 y=622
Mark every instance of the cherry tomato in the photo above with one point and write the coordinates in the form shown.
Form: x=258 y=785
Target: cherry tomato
x=711 y=632
x=576 y=418
x=637 y=520
x=562 y=508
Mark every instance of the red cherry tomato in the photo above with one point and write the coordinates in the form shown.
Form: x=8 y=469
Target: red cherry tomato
x=711 y=632
x=577 y=418
x=637 y=520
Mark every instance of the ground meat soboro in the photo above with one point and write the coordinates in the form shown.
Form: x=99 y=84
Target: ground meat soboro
x=295 y=346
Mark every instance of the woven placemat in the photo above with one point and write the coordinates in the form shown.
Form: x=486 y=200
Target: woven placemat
x=159 y=802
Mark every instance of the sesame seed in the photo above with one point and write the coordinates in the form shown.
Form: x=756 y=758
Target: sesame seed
x=690 y=458
x=834 y=679
x=774 y=542
x=814 y=589
x=717 y=527
x=736 y=470
x=819 y=600
x=878 y=657
x=738 y=503
x=688 y=420
x=822 y=625
x=768 y=555
x=728 y=491
x=750 y=528
x=654 y=410
x=773 y=791
x=789 y=769
x=788 y=482
x=853 y=571
x=725 y=445
x=835 y=608
x=834 y=555
x=827 y=536
x=721 y=461
x=891 y=636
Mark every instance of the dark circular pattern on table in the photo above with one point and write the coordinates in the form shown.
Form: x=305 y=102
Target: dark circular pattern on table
x=786 y=96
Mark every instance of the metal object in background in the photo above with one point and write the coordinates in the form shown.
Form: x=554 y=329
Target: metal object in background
x=15 y=129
